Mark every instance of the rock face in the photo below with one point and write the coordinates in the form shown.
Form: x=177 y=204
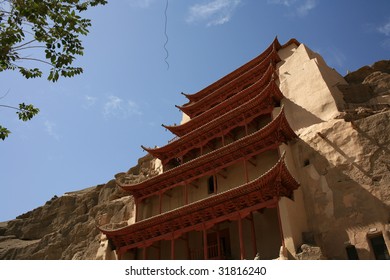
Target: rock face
x=367 y=91
x=343 y=165
x=345 y=177
x=310 y=253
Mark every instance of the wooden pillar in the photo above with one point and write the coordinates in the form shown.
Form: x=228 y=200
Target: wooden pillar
x=144 y=253
x=218 y=243
x=280 y=223
x=173 y=247
x=205 y=249
x=246 y=129
x=159 y=250
x=223 y=140
x=241 y=237
x=246 y=171
x=160 y=202
x=188 y=245
x=185 y=194
x=254 y=243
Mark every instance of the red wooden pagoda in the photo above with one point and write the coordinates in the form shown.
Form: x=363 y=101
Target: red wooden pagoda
x=223 y=175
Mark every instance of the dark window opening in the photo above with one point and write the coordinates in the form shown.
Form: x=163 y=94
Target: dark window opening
x=379 y=247
x=211 y=185
x=351 y=252
x=306 y=162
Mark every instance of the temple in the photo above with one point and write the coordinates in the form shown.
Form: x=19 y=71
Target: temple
x=225 y=187
x=223 y=175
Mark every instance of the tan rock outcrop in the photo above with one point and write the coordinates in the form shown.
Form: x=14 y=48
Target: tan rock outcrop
x=368 y=87
x=345 y=177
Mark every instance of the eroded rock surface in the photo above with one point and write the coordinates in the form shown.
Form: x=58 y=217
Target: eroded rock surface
x=344 y=169
x=368 y=90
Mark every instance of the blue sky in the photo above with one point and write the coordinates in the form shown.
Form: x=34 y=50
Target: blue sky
x=91 y=127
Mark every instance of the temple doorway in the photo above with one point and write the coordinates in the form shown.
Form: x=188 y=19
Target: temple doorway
x=218 y=245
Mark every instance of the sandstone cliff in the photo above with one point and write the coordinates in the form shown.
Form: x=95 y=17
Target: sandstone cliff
x=348 y=158
x=344 y=170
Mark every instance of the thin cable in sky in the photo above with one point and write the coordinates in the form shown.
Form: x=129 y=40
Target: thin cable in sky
x=166 y=35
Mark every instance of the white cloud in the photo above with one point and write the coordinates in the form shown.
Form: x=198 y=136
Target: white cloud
x=306 y=7
x=118 y=108
x=385 y=29
x=298 y=7
x=216 y=12
x=50 y=128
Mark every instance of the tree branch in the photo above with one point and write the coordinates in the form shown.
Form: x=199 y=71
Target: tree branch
x=17 y=47
x=30 y=47
x=5 y=94
x=11 y=107
x=36 y=59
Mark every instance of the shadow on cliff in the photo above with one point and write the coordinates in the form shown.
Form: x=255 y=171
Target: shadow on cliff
x=345 y=201
x=296 y=112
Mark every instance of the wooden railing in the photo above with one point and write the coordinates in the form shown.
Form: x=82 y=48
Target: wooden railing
x=212 y=251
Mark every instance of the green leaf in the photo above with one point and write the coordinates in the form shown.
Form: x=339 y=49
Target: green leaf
x=27 y=112
x=58 y=25
x=4 y=132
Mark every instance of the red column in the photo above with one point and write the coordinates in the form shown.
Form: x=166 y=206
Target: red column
x=219 y=244
x=144 y=253
x=205 y=249
x=173 y=248
x=280 y=223
x=188 y=246
x=246 y=171
x=159 y=250
x=240 y=235
x=159 y=202
x=185 y=194
x=253 y=235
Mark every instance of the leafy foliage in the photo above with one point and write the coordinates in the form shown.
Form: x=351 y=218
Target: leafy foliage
x=4 y=132
x=26 y=112
x=51 y=26
x=49 y=30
